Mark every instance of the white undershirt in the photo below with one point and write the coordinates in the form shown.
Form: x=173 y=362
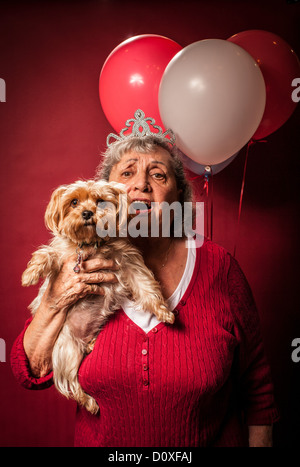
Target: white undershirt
x=145 y=319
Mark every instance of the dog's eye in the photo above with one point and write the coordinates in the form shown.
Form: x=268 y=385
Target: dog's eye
x=74 y=202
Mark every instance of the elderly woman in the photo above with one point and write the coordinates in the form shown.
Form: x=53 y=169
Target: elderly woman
x=202 y=381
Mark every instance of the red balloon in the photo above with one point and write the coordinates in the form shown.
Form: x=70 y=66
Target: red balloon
x=279 y=65
x=131 y=75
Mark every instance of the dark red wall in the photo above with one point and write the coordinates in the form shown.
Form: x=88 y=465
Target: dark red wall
x=52 y=130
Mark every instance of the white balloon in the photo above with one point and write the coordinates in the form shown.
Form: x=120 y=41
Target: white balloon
x=212 y=95
x=201 y=169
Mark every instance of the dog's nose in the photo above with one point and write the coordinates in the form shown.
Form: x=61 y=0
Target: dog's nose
x=87 y=215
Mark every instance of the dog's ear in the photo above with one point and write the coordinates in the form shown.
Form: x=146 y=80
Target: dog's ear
x=53 y=212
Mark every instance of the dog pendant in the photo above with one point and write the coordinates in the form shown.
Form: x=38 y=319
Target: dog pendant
x=78 y=263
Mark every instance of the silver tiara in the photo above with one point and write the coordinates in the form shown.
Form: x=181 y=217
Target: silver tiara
x=141 y=128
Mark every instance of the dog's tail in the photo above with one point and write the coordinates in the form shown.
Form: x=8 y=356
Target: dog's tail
x=66 y=357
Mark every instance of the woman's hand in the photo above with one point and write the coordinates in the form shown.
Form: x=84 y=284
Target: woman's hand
x=62 y=292
x=68 y=287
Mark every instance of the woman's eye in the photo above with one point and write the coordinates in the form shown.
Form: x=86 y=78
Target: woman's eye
x=159 y=176
x=126 y=174
x=74 y=202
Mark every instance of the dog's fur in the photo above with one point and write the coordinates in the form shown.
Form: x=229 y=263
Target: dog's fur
x=88 y=315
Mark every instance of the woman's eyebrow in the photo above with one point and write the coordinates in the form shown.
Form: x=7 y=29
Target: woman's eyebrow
x=125 y=163
x=128 y=160
x=132 y=160
x=158 y=162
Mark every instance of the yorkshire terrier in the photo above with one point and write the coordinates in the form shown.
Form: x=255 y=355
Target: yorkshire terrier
x=73 y=213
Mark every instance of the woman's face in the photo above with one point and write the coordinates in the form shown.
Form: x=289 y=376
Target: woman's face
x=149 y=178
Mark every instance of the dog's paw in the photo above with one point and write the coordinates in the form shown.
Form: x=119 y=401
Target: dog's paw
x=90 y=345
x=30 y=277
x=164 y=314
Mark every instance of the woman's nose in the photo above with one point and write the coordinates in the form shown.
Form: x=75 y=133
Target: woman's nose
x=142 y=184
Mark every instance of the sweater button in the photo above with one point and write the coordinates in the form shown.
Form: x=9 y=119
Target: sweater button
x=145 y=367
x=144 y=352
x=154 y=330
x=146 y=382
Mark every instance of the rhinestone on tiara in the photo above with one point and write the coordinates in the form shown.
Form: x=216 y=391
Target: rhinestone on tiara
x=141 y=128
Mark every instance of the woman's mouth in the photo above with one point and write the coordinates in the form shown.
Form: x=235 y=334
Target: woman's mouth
x=141 y=206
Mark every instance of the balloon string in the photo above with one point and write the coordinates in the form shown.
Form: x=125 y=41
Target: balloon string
x=205 y=187
x=208 y=188
x=251 y=142
x=207 y=192
x=211 y=207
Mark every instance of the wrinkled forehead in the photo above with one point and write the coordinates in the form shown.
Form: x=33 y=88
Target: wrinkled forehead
x=160 y=157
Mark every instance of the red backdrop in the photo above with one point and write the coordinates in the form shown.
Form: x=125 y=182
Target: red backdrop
x=52 y=130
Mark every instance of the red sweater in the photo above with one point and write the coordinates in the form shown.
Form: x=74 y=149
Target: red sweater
x=198 y=382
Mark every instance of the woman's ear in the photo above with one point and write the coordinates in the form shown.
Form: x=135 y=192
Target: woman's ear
x=54 y=209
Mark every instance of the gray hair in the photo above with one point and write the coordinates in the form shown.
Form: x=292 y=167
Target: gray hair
x=144 y=145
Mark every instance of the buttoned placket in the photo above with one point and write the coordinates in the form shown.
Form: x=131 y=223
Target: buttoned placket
x=145 y=362
x=145 y=359
x=145 y=346
x=145 y=350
